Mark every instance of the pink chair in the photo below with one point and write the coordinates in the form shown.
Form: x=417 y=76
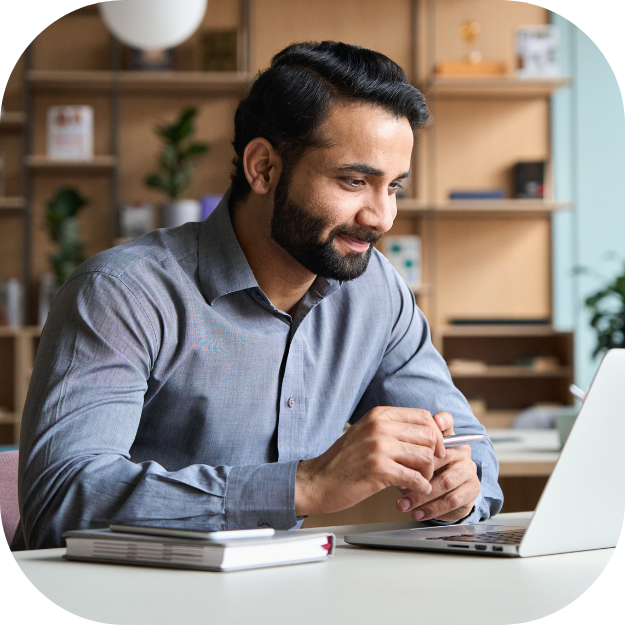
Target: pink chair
x=9 y=508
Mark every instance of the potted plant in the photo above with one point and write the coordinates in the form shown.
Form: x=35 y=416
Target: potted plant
x=61 y=221
x=607 y=308
x=177 y=161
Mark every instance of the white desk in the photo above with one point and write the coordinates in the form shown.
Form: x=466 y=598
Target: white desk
x=358 y=585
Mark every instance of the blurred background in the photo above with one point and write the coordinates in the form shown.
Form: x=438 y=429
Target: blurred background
x=510 y=230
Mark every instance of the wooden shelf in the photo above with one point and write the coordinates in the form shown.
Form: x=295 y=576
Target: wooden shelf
x=481 y=208
x=492 y=87
x=511 y=371
x=12 y=203
x=25 y=330
x=424 y=289
x=498 y=330
x=8 y=418
x=12 y=119
x=141 y=81
x=42 y=162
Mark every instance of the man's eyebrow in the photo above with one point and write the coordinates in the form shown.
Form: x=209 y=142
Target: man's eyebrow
x=361 y=168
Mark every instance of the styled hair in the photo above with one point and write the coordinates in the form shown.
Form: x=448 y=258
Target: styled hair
x=288 y=101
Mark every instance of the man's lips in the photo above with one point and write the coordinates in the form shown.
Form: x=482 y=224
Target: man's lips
x=354 y=245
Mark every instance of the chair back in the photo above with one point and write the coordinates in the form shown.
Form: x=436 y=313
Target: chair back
x=9 y=508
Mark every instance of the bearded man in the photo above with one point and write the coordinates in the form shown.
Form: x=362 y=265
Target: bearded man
x=202 y=376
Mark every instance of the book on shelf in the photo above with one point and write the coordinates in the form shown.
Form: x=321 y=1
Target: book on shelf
x=11 y=303
x=500 y=322
x=487 y=194
x=70 y=133
x=104 y=545
x=404 y=253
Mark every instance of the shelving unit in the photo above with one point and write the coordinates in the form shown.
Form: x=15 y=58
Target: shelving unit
x=480 y=259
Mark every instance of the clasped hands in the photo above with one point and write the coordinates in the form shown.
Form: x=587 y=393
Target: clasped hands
x=389 y=446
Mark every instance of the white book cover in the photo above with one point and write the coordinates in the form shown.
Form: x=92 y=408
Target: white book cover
x=70 y=133
x=404 y=253
x=537 y=51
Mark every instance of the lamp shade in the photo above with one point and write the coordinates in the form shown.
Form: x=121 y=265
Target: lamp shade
x=153 y=24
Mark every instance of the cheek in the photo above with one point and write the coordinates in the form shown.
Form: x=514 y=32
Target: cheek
x=336 y=205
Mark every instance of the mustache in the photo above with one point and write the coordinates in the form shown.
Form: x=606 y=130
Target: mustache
x=359 y=234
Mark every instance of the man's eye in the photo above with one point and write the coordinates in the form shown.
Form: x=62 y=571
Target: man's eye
x=354 y=182
x=396 y=186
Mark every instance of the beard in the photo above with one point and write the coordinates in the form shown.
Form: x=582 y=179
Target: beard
x=299 y=232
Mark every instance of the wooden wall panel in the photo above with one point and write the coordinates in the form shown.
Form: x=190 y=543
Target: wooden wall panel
x=492 y=268
x=12 y=98
x=11 y=233
x=381 y=26
x=479 y=141
x=73 y=42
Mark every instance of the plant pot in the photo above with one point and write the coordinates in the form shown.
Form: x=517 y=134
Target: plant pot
x=178 y=212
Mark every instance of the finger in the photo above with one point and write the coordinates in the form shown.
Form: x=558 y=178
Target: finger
x=445 y=423
x=406 y=478
x=425 y=434
x=416 y=457
x=458 y=501
x=461 y=469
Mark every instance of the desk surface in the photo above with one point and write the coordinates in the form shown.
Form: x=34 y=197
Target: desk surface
x=357 y=585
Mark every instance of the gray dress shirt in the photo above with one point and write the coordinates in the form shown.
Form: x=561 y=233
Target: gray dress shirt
x=168 y=390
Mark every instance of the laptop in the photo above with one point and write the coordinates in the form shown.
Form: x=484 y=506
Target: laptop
x=581 y=506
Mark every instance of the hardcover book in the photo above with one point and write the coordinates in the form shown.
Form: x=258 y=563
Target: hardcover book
x=104 y=545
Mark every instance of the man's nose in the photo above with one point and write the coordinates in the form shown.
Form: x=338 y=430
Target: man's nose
x=379 y=212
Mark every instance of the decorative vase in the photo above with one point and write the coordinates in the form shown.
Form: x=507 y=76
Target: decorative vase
x=178 y=212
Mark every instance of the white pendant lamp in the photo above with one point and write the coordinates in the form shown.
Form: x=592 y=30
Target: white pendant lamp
x=153 y=24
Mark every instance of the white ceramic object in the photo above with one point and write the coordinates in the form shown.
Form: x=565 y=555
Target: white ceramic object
x=153 y=24
x=178 y=212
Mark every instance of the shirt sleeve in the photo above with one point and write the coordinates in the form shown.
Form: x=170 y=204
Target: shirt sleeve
x=413 y=374
x=83 y=409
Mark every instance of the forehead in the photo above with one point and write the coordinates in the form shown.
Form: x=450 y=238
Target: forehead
x=365 y=132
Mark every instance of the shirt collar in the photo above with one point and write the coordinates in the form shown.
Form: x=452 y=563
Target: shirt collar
x=223 y=267
x=222 y=264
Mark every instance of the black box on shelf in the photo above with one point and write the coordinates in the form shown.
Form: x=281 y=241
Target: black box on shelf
x=529 y=180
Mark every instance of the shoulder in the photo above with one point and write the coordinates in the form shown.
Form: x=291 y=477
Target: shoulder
x=147 y=254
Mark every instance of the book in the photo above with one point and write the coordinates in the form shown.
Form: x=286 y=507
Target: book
x=70 y=132
x=488 y=194
x=404 y=253
x=104 y=545
x=537 y=51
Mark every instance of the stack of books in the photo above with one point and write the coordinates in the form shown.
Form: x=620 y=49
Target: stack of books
x=211 y=551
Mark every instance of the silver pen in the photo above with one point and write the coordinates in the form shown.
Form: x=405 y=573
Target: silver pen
x=463 y=439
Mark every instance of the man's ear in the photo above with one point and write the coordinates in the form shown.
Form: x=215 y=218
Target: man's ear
x=262 y=165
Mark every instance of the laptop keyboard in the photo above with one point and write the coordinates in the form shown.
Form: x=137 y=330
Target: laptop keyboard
x=505 y=537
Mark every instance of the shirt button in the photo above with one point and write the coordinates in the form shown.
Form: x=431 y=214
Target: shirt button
x=291 y=402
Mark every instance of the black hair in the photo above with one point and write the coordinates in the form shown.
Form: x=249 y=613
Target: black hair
x=288 y=101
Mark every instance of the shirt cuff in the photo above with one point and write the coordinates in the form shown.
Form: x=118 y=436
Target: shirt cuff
x=261 y=495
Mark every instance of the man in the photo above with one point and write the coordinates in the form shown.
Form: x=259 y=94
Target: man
x=201 y=376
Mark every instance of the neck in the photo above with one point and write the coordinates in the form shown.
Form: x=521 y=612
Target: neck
x=283 y=280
